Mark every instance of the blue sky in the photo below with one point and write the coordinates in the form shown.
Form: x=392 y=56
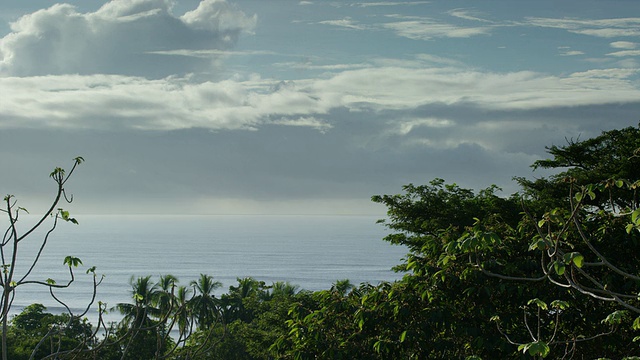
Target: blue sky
x=301 y=106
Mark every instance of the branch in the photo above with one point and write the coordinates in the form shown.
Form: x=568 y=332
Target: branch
x=600 y=256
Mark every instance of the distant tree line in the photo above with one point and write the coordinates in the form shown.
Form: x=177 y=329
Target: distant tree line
x=552 y=271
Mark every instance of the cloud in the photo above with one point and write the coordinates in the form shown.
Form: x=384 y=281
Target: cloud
x=311 y=122
x=326 y=67
x=211 y=53
x=605 y=28
x=422 y=28
x=120 y=37
x=390 y=3
x=346 y=22
x=468 y=14
x=169 y=104
x=623 y=45
x=566 y=51
x=619 y=73
x=625 y=53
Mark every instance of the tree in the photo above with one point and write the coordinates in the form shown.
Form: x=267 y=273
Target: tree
x=137 y=328
x=163 y=309
x=575 y=230
x=28 y=329
x=552 y=270
x=14 y=236
x=204 y=304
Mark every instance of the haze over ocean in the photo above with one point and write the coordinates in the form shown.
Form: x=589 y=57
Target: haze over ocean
x=309 y=251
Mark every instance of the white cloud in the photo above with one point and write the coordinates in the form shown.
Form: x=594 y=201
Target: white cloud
x=211 y=53
x=628 y=63
x=121 y=36
x=425 y=30
x=218 y=16
x=397 y=88
x=623 y=45
x=606 y=73
x=328 y=67
x=606 y=28
x=346 y=22
x=305 y=3
x=109 y=101
x=309 y=121
x=421 y=28
x=390 y=3
x=571 y=53
x=625 y=53
x=405 y=126
x=468 y=14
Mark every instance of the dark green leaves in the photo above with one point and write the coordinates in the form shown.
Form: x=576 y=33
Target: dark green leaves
x=538 y=348
x=72 y=261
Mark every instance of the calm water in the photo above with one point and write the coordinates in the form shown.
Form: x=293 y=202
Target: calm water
x=309 y=251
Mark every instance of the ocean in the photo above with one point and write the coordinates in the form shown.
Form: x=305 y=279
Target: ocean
x=306 y=250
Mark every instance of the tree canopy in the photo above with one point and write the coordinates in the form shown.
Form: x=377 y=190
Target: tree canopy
x=552 y=271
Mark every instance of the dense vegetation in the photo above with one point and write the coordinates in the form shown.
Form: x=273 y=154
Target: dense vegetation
x=550 y=272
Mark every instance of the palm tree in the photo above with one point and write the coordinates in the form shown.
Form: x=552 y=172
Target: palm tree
x=233 y=302
x=204 y=303
x=286 y=289
x=182 y=314
x=165 y=298
x=342 y=287
x=144 y=294
x=137 y=325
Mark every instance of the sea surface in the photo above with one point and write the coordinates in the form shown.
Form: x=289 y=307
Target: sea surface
x=307 y=250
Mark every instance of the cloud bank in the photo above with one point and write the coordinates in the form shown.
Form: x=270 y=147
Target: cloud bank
x=140 y=91
x=119 y=38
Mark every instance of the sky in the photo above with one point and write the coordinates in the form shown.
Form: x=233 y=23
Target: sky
x=300 y=107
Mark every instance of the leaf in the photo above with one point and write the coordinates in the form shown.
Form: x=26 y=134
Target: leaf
x=635 y=217
x=559 y=304
x=57 y=172
x=539 y=303
x=403 y=336
x=578 y=197
x=72 y=261
x=376 y=346
x=66 y=217
x=538 y=244
x=574 y=257
x=559 y=267
x=535 y=348
x=636 y=323
x=578 y=260
x=615 y=317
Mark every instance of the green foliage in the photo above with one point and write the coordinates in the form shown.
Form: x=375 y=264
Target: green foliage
x=61 y=333
x=537 y=348
x=59 y=342
x=479 y=278
x=477 y=256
